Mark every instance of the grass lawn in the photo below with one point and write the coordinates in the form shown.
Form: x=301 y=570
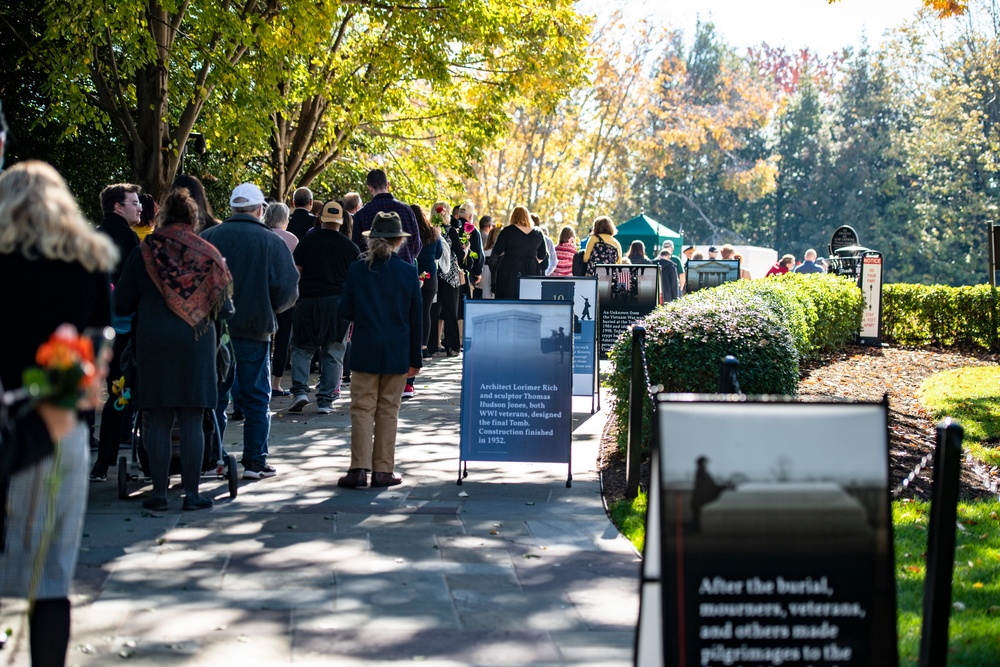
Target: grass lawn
x=971 y=396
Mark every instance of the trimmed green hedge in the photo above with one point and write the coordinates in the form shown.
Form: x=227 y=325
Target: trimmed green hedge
x=766 y=324
x=940 y=315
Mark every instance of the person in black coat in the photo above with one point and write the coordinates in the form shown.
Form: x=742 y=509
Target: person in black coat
x=122 y=210
x=382 y=298
x=178 y=285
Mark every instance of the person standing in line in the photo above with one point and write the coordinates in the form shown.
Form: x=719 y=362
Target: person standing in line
x=485 y=227
x=265 y=282
x=669 y=283
x=637 y=253
x=565 y=251
x=122 y=210
x=146 y=216
x=178 y=287
x=668 y=247
x=602 y=247
x=444 y=325
x=301 y=219
x=431 y=251
x=550 y=246
x=522 y=250
x=808 y=264
x=276 y=218
x=382 y=298
x=378 y=187
x=322 y=259
x=46 y=248
x=489 y=281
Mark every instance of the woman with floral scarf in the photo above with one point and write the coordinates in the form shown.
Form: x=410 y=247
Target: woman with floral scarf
x=178 y=286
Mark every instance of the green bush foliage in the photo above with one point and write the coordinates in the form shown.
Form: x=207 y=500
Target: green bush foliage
x=940 y=315
x=687 y=340
x=768 y=325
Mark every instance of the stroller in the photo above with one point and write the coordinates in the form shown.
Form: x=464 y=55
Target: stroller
x=215 y=458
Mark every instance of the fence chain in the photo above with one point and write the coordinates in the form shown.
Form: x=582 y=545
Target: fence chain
x=917 y=469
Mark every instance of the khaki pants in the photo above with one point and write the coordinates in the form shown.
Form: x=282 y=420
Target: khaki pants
x=375 y=402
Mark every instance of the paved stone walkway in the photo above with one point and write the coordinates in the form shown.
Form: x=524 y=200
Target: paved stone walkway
x=511 y=568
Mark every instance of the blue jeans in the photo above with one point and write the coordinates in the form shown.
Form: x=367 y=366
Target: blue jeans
x=253 y=374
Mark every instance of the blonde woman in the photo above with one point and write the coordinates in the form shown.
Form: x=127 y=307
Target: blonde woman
x=522 y=252
x=602 y=248
x=46 y=248
x=382 y=298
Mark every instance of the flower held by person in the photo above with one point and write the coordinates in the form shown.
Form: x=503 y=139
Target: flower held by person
x=65 y=369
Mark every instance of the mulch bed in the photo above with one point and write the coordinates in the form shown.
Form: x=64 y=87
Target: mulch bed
x=863 y=374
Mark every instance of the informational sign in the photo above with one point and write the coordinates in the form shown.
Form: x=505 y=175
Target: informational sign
x=517 y=381
x=582 y=293
x=843 y=237
x=774 y=547
x=871 y=288
x=626 y=293
x=705 y=273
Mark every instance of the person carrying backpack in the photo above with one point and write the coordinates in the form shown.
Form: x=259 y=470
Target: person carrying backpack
x=602 y=248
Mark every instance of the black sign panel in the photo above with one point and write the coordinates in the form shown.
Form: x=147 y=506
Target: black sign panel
x=842 y=238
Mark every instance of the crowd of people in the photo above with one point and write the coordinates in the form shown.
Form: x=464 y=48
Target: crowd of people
x=361 y=293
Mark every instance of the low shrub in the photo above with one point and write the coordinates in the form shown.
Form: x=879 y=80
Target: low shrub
x=687 y=339
x=940 y=315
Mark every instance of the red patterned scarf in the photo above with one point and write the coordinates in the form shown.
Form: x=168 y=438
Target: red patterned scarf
x=189 y=271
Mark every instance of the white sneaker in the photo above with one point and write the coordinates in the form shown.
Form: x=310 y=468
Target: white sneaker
x=324 y=409
x=300 y=401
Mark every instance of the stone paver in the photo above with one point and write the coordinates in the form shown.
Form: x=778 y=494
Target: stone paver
x=510 y=568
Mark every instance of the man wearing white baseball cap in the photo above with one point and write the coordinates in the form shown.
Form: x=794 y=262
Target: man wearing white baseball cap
x=265 y=282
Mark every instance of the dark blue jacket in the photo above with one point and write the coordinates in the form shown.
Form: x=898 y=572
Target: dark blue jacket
x=265 y=280
x=383 y=300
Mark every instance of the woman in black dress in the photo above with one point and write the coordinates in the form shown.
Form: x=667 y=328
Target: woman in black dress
x=523 y=253
x=179 y=285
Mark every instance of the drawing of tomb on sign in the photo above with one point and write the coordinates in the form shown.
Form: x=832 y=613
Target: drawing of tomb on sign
x=517 y=381
x=582 y=293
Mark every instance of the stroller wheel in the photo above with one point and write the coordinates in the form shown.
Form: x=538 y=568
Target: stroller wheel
x=122 y=478
x=233 y=476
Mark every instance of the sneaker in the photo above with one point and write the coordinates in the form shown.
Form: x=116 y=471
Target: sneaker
x=408 y=391
x=300 y=401
x=258 y=471
x=324 y=409
x=99 y=474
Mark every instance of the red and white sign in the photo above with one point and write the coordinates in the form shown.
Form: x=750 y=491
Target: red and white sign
x=871 y=287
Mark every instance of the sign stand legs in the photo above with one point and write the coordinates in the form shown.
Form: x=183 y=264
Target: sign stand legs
x=463 y=470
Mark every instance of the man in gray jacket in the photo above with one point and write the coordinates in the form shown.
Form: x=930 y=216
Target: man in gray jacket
x=265 y=282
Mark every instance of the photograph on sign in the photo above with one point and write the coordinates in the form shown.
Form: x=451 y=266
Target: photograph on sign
x=626 y=294
x=706 y=273
x=517 y=381
x=582 y=293
x=776 y=539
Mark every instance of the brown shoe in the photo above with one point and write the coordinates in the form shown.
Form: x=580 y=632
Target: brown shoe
x=386 y=479
x=355 y=478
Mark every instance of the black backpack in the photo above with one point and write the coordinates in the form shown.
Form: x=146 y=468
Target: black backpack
x=579 y=267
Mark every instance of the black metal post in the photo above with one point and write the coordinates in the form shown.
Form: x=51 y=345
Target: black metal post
x=941 y=545
x=636 y=400
x=729 y=382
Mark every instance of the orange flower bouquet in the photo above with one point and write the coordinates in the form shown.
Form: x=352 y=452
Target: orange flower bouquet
x=66 y=369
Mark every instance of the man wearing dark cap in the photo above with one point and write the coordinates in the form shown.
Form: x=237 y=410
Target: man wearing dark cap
x=323 y=258
x=713 y=252
x=378 y=186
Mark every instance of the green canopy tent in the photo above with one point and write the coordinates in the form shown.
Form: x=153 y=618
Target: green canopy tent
x=650 y=232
